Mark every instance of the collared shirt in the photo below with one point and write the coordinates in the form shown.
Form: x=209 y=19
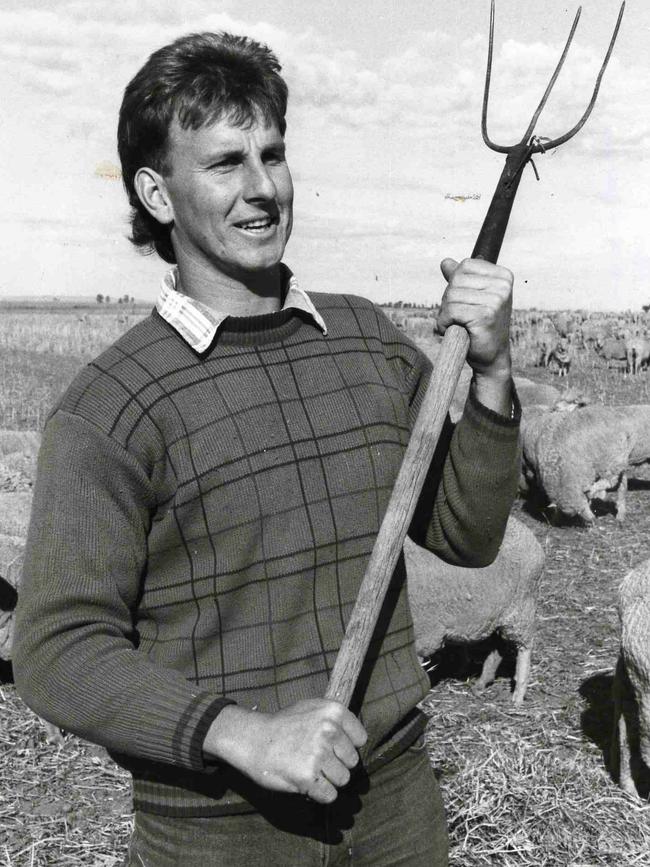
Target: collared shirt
x=198 y=324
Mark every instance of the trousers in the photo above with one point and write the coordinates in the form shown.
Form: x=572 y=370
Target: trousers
x=394 y=817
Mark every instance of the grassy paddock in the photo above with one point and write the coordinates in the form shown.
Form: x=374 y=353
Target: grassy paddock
x=42 y=349
x=523 y=786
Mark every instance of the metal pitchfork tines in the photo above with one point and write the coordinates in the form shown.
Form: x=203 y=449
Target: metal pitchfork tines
x=488 y=243
x=451 y=357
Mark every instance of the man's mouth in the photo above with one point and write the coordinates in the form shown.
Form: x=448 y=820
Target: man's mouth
x=261 y=224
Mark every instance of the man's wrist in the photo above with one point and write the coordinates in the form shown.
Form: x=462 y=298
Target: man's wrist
x=494 y=390
x=223 y=740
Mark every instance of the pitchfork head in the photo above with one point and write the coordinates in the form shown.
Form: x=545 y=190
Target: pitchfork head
x=534 y=144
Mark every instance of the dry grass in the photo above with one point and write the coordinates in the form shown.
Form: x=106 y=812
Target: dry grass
x=81 y=333
x=530 y=785
x=59 y=806
x=523 y=786
x=41 y=351
x=523 y=793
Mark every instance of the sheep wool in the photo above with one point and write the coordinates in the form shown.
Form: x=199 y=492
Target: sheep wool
x=452 y=604
x=632 y=678
x=576 y=456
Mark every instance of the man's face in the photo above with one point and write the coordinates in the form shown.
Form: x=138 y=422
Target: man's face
x=232 y=196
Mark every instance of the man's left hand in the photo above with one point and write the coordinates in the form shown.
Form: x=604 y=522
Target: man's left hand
x=479 y=298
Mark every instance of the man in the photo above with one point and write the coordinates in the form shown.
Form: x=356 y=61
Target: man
x=208 y=494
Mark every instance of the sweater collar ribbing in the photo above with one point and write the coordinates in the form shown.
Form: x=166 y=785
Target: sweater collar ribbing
x=198 y=324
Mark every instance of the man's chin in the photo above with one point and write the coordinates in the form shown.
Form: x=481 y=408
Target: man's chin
x=258 y=265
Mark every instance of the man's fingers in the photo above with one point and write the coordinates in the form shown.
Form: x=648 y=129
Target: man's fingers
x=484 y=302
x=346 y=752
x=477 y=266
x=448 y=266
x=353 y=729
x=336 y=772
x=321 y=790
x=497 y=289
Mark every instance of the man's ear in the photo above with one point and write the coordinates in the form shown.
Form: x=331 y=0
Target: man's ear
x=152 y=192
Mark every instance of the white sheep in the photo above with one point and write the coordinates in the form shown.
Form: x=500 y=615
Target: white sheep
x=576 y=456
x=560 y=357
x=613 y=349
x=11 y=559
x=18 y=453
x=631 y=690
x=14 y=518
x=529 y=392
x=638 y=353
x=452 y=605
x=11 y=564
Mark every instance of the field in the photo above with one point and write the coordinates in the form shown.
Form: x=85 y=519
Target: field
x=523 y=786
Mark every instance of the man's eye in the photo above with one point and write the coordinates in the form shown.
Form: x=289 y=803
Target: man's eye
x=227 y=163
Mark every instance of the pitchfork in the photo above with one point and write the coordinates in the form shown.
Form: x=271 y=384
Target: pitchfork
x=451 y=357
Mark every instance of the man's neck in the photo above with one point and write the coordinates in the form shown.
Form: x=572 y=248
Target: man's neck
x=257 y=294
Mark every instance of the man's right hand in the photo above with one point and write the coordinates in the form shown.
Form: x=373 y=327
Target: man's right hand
x=307 y=748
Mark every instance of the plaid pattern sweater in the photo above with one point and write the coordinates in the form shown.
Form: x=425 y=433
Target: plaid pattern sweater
x=201 y=525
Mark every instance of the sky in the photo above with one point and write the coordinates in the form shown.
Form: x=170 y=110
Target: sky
x=384 y=143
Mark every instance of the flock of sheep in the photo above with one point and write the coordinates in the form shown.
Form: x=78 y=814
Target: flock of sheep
x=572 y=452
x=622 y=341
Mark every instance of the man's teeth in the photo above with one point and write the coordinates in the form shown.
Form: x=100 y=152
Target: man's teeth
x=257 y=224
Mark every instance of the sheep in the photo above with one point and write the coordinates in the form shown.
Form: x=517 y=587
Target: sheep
x=11 y=556
x=451 y=604
x=14 y=517
x=592 y=333
x=8 y=602
x=535 y=393
x=529 y=392
x=612 y=349
x=560 y=357
x=563 y=323
x=11 y=562
x=631 y=687
x=576 y=456
x=638 y=353
x=544 y=350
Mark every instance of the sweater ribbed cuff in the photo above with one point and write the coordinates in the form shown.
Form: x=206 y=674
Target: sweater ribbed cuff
x=491 y=421
x=192 y=727
x=197 y=756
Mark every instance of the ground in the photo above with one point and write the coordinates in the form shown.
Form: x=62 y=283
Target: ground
x=523 y=786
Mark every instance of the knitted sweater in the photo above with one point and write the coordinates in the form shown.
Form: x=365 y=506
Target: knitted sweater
x=201 y=525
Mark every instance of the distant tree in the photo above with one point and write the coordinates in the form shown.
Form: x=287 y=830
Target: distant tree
x=107 y=299
x=125 y=298
x=100 y=298
x=645 y=308
x=119 y=300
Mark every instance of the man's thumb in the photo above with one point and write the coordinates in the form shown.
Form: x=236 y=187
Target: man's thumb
x=448 y=266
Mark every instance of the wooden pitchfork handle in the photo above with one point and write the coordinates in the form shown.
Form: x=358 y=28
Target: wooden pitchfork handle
x=417 y=459
x=401 y=505
x=439 y=394
x=390 y=539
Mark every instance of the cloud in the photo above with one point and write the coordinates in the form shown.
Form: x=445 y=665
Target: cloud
x=83 y=55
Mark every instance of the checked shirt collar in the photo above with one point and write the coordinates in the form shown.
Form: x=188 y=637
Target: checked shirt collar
x=197 y=323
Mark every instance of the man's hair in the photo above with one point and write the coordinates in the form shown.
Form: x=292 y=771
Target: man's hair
x=198 y=79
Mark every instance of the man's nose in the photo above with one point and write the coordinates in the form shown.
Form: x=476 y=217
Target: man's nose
x=258 y=183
